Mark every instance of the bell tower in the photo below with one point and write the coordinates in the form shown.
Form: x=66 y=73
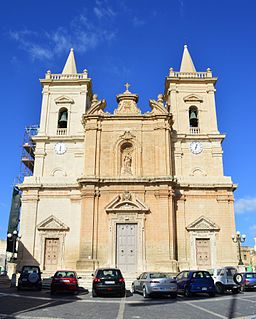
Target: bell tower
x=59 y=143
x=197 y=141
x=204 y=197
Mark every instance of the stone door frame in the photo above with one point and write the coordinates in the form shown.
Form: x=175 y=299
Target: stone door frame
x=125 y=218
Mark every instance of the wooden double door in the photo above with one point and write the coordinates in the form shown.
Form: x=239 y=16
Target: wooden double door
x=51 y=253
x=203 y=253
x=126 y=247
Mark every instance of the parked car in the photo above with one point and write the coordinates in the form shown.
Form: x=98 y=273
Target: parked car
x=108 y=281
x=195 y=281
x=155 y=283
x=223 y=279
x=249 y=281
x=30 y=277
x=65 y=281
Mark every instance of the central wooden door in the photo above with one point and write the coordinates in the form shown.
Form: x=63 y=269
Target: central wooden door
x=203 y=256
x=126 y=247
x=51 y=255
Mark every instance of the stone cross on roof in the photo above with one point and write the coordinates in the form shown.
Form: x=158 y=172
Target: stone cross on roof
x=127 y=86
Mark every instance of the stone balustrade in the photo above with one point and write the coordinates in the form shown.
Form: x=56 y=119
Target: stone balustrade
x=61 y=77
x=191 y=75
x=194 y=130
x=61 y=131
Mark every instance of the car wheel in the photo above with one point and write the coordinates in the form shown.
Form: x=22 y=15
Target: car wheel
x=145 y=293
x=94 y=293
x=187 y=292
x=132 y=289
x=219 y=288
x=173 y=296
x=212 y=294
x=123 y=294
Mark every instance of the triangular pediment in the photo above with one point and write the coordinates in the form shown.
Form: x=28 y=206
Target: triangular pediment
x=52 y=224
x=203 y=223
x=193 y=98
x=127 y=202
x=64 y=100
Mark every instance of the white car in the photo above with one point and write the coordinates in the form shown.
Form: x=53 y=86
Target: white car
x=223 y=279
x=152 y=283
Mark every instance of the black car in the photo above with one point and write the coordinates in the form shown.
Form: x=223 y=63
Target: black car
x=30 y=277
x=108 y=281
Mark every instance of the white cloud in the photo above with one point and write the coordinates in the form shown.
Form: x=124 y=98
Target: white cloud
x=82 y=34
x=102 y=10
x=137 y=22
x=244 y=205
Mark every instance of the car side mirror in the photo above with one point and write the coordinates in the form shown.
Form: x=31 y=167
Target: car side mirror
x=174 y=277
x=138 y=278
x=79 y=278
x=92 y=275
x=51 y=276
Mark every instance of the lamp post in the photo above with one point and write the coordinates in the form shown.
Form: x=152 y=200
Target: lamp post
x=238 y=238
x=14 y=236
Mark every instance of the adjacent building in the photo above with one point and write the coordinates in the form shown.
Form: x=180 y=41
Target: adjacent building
x=140 y=191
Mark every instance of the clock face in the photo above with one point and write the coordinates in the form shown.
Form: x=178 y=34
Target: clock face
x=196 y=147
x=60 y=148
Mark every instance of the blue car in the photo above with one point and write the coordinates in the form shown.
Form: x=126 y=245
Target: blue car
x=195 y=281
x=249 y=281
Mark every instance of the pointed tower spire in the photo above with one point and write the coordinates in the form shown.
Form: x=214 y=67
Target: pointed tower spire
x=70 y=66
x=187 y=64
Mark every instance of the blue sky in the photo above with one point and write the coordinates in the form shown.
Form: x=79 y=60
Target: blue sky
x=134 y=41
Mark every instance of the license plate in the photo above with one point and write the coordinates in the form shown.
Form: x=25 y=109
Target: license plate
x=204 y=289
x=109 y=282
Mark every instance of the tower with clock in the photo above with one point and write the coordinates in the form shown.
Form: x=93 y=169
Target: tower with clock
x=128 y=189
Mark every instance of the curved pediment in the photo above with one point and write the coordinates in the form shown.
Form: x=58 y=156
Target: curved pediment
x=126 y=202
x=52 y=224
x=204 y=224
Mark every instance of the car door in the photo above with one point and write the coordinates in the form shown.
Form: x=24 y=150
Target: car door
x=137 y=283
x=179 y=281
x=143 y=279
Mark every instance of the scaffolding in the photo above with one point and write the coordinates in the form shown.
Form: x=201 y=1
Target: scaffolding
x=28 y=152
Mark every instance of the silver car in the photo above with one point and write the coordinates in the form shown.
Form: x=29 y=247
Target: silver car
x=149 y=283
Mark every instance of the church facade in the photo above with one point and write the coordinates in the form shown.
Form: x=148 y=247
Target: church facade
x=126 y=189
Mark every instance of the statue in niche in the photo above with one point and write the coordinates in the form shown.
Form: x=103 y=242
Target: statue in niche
x=127 y=164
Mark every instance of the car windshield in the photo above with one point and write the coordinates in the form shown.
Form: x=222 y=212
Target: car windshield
x=29 y=270
x=201 y=274
x=69 y=274
x=252 y=275
x=158 y=275
x=108 y=273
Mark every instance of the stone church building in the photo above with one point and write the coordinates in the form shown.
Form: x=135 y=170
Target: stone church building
x=139 y=191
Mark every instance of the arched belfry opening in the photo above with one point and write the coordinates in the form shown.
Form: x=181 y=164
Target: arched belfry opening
x=63 y=118
x=193 y=116
x=127 y=158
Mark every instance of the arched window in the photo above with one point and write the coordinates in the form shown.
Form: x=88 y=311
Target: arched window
x=193 y=116
x=63 y=118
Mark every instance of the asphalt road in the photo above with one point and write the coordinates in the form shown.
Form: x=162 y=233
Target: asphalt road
x=41 y=305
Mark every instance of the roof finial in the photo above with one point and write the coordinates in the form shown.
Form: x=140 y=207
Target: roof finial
x=127 y=85
x=70 y=66
x=187 y=64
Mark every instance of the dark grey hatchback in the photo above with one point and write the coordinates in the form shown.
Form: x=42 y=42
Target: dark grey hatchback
x=30 y=277
x=108 y=281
